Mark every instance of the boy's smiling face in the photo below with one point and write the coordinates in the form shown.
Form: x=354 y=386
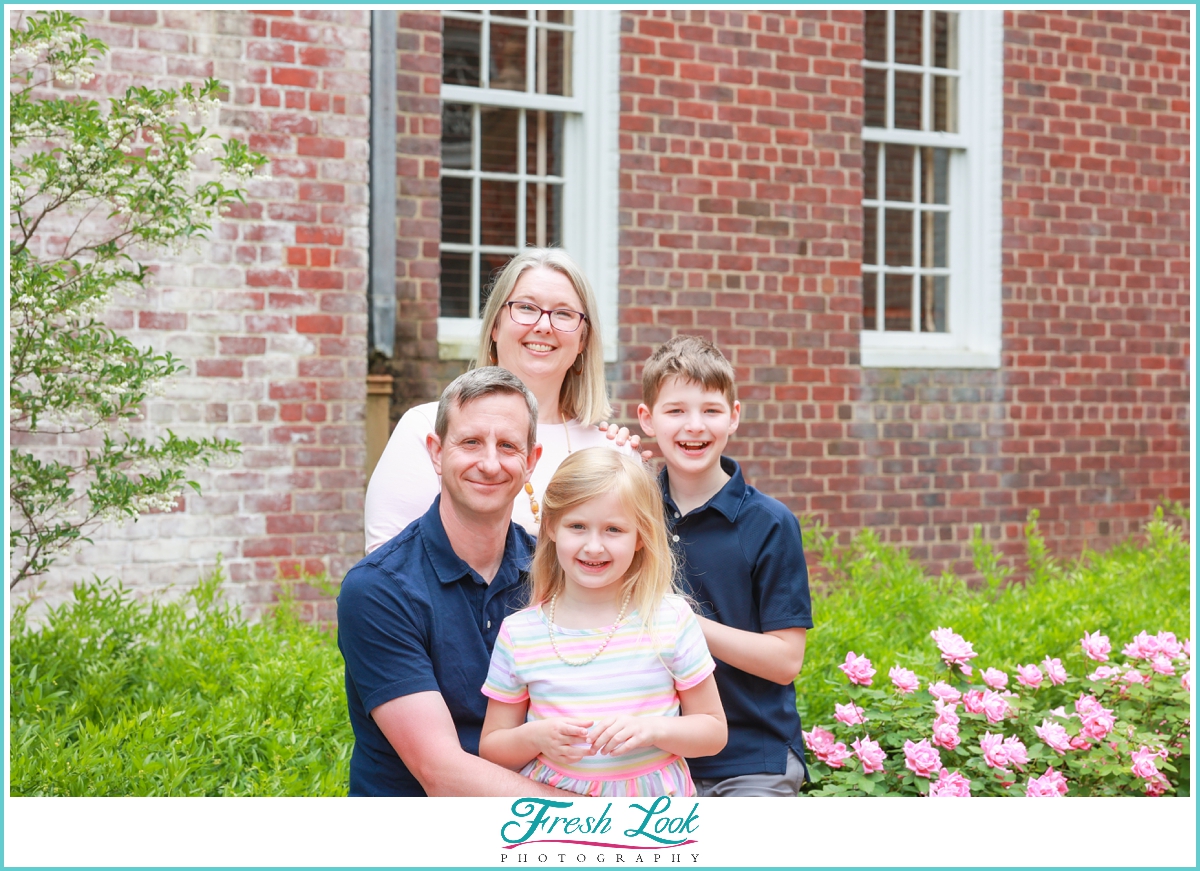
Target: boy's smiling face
x=692 y=425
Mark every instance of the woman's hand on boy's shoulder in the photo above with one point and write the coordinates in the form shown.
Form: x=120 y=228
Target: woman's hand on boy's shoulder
x=622 y=436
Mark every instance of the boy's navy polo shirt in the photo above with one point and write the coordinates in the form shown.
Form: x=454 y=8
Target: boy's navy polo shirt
x=743 y=564
x=414 y=617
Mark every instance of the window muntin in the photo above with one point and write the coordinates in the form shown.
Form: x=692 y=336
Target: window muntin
x=503 y=152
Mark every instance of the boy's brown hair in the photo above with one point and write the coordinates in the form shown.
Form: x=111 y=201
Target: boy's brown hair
x=693 y=359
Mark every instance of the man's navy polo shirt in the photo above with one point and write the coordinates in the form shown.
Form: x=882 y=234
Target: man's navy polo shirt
x=743 y=564
x=414 y=617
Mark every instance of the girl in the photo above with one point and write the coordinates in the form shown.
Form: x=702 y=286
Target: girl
x=605 y=682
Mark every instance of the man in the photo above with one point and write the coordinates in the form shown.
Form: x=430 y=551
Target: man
x=418 y=617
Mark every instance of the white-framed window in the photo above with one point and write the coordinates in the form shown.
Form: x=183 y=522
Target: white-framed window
x=529 y=154
x=932 y=154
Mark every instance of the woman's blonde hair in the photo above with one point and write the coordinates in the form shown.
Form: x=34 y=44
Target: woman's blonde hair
x=583 y=395
x=583 y=476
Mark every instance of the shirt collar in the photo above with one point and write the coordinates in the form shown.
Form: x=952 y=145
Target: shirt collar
x=450 y=568
x=728 y=500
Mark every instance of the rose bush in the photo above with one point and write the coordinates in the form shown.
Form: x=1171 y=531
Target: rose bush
x=1122 y=729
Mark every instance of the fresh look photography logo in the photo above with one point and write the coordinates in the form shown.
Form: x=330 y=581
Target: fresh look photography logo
x=542 y=831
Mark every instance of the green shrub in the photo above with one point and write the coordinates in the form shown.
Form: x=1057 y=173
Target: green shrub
x=117 y=697
x=879 y=603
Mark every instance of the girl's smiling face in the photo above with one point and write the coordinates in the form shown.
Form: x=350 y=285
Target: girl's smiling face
x=596 y=542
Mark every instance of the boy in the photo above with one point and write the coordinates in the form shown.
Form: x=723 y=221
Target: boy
x=743 y=564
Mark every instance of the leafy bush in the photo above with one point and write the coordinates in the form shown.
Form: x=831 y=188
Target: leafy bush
x=117 y=697
x=881 y=604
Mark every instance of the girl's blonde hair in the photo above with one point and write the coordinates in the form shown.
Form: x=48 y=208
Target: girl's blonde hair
x=582 y=397
x=585 y=475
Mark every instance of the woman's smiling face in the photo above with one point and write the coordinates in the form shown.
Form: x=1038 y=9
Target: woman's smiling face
x=538 y=353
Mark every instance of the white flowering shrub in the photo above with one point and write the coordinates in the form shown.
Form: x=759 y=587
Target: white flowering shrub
x=90 y=186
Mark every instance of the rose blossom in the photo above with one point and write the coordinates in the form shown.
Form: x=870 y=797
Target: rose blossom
x=921 y=759
x=903 y=679
x=870 y=754
x=1054 y=735
x=820 y=742
x=995 y=754
x=1186 y=680
x=945 y=692
x=1060 y=711
x=849 y=715
x=1143 y=646
x=946 y=713
x=945 y=735
x=1104 y=672
x=1162 y=665
x=1055 y=671
x=1050 y=785
x=1132 y=675
x=994 y=678
x=1187 y=648
x=973 y=701
x=1085 y=705
x=995 y=707
x=950 y=784
x=1096 y=646
x=1079 y=742
x=1017 y=754
x=1143 y=762
x=955 y=651
x=1169 y=645
x=1098 y=724
x=857 y=669
x=1029 y=676
x=1157 y=786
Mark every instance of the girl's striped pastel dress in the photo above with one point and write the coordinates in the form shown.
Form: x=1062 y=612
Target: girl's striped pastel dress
x=638 y=673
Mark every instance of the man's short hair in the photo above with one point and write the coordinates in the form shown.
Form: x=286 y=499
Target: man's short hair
x=477 y=383
x=693 y=359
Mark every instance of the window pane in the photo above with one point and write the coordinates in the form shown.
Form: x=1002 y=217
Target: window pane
x=934 y=227
x=556 y=61
x=933 y=303
x=544 y=143
x=935 y=171
x=908 y=36
x=945 y=42
x=456 y=210
x=507 y=68
x=875 y=34
x=460 y=52
x=908 y=101
x=898 y=241
x=456 y=285
x=897 y=302
x=543 y=214
x=945 y=104
x=875 y=98
x=898 y=173
x=870 y=170
x=870 y=229
x=489 y=267
x=870 y=295
x=498 y=211
x=456 y=136
x=511 y=13
x=498 y=140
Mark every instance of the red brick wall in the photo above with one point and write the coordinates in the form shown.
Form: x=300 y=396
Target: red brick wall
x=270 y=315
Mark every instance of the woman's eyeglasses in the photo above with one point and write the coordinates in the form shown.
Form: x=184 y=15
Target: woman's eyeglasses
x=562 y=319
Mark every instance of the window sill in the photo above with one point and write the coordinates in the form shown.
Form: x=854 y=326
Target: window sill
x=916 y=351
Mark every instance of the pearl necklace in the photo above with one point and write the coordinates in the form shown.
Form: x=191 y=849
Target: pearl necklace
x=607 y=638
x=533 y=504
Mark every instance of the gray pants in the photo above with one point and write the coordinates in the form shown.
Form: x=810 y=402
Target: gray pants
x=781 y=785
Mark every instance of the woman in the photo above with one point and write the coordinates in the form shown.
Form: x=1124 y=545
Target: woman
x=540 y=324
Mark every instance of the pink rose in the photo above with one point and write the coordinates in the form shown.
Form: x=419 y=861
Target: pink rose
x=1144 y=762
x=966 y=669
x=1060 y=711
x=1096 y=646
x=950 y=784
x=857 y=669
x=1055 y=671
x=945 y=692
x=1050 y=785
x=1157 y=786
x=1187 y=648
x=1169 y=645
x=1162 y=665
x=973 y=701
x=1097 y=725
x=1029 y=676
x=995 y=754
x=1186 y=680
x=903 y=679
x=955 y=651
x=1085 y=705
x=1143 y=646
x=1104 y=672
x=1079 y=742
x=1132 y=675
x=1017 y=754
x=994 y=678
x=995 y=707
x=1054 y=735
x=921 y=759
x=945 y=735
x=836 y=756
x=870 y=754
x=946 y=713
x=821 y=743
x=849 y=715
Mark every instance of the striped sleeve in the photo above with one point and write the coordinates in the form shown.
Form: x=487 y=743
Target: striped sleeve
x=692 y=662
x=503 y=683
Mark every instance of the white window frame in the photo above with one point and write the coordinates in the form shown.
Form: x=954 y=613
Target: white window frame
x=973 y=336
x=590 y=170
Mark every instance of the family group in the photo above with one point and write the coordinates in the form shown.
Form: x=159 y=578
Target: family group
x=538 y=614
